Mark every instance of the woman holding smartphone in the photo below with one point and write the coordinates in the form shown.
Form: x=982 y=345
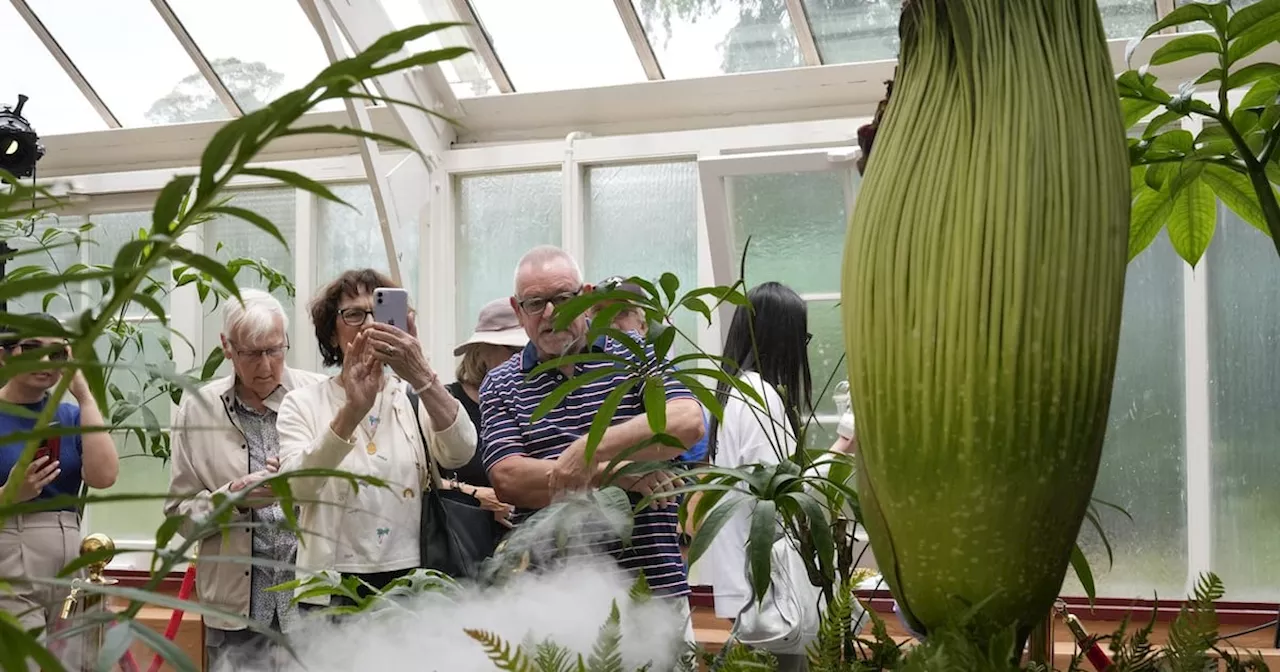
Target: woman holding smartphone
x=40 y=544
x=364 y=421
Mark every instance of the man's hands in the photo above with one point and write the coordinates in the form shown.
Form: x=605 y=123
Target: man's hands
x=40 y=472
x=571 y=471
x=656 y=483
x=262 y=495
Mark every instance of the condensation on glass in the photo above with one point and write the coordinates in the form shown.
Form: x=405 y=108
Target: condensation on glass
x=642 y=220
x=703 y=38
x=854 y=32
x=1144 y=457
x=351 y=238
x=1244 y=389
x=499 y=218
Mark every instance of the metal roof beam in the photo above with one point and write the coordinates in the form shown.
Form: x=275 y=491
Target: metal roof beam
x=804 y=32
x=197 y=57
x=483 y=44
x=68 y=66
x=639 y=40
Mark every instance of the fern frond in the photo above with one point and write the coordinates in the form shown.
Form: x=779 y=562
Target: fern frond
x=1195 y=630
x=551 y=657
x=640 y=591
x=606 y=655
x=500 y=652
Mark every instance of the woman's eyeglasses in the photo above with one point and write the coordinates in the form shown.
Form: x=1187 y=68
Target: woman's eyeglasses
x=354 y=317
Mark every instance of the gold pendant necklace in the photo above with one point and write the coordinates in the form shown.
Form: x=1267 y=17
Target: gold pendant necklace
x=374 y=420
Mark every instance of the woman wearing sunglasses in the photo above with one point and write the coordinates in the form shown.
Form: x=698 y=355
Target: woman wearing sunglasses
x=40 y=544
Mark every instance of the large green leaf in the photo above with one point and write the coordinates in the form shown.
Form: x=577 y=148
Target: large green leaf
x=1185 y=47
x=604 y=416
x=1135 y=110
x=1252 y=73
x=262 y=223
x=1261 y=94
x=1081 y=566
x=1248 y=17
x=1236 y=192
x=655 y=404
x=1188 y=13
x=168 y=650
x=298 y=180
x=1192 y=220
x=116 y=641
x=711 y=526
x=1265 y=31
x=760 y=537
x=1150 y=213
x=170 y=202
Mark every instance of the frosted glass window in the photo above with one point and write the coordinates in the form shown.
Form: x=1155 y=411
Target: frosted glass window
x=55 y=255
x=642 y=220
x=56 y=105
x=1143 y=461
x=1244 y=386
x=825 y=350
x=140 y=471
x=853 y=32
x=110 y=233
x=500 y=217
x=166 y=90
x=703 y=38
x=348 y=239
x=560 y=44
x=240 y=239
x=1127 y=18
x=797 y=224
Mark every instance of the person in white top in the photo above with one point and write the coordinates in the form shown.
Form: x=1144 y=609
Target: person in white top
x=767 y=348
x=361 y=421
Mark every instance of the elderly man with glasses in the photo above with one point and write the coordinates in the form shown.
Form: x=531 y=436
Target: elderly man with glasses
x=224 y=440
x=530 y=462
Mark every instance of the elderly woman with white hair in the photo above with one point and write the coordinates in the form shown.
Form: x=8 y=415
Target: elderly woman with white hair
x=225 y=440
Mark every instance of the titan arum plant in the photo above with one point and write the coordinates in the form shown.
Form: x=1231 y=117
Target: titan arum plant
x=983 y=282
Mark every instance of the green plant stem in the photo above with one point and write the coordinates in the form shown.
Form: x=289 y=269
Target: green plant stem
x=1256 y=170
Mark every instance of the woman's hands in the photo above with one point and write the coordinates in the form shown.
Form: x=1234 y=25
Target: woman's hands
x=40 y=472
x=361 y=380
x=489 y=502
x=402 y=351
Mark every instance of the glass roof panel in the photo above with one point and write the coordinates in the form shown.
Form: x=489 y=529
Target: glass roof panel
x=259 y=48
x=702 y=38
x=467 y=75
x=144 y=79
x=855 y=32
x=56 y=105
x=560 y=44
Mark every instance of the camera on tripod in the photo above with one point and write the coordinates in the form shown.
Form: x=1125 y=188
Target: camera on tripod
x=20 y=147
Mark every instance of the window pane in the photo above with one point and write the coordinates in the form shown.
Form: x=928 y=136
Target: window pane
x=560 y=44
x=467 y=75
x=642 y=221
x=500 y=217
x=91 y=32
x=704 y=38
x=259 y=49
x=109 y=234
x=349 y=239
x=1143 y=463
x=852 y=32
x=227 y=238
x=1127 y=18
x=139 y=471
x=796 y=223
x=56 y=105
x=57 y=252
x=1244 y=382
x=826 y=352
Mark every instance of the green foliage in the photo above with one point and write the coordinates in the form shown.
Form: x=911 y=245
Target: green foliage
x=186 y=202
x=1178 y=178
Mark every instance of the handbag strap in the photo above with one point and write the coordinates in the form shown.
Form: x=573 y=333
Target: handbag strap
x=432 y=470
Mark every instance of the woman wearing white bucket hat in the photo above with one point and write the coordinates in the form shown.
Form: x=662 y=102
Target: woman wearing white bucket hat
x=497 y=338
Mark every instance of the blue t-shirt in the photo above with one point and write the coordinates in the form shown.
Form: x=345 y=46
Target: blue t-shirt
x=67 y=415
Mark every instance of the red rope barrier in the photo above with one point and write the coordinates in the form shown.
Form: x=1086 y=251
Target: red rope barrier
x=170 y=632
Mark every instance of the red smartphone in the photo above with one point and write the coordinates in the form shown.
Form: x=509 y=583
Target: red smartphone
x=51 y=448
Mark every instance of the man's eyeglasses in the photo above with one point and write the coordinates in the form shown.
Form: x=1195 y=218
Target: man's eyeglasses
x=354 y=317
x=57 y=351
x=534 y=305
x=276 y=353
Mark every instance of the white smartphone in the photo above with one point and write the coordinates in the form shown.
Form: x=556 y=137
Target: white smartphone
x=391 y=306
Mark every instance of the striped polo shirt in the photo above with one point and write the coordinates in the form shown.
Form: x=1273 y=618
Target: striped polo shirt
x=508 y=398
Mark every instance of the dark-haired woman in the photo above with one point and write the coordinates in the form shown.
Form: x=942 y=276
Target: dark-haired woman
x=40 y=544
x=767 y=348
x=362 y=421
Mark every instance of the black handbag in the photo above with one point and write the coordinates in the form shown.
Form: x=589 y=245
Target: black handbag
x=456 y=537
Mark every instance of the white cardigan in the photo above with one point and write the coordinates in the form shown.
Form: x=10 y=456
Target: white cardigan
x=332 y=515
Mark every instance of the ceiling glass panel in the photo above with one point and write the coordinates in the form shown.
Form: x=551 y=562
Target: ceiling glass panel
x=259 y=48
x=702 y=38
x=560 y=44
x=145 y=79
x=467 y=75
x=56 y=105
x=855 y=31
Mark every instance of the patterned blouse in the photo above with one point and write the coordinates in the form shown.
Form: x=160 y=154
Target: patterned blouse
x=270 y=539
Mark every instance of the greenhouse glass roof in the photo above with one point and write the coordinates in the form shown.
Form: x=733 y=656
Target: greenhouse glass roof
x=92 y=64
